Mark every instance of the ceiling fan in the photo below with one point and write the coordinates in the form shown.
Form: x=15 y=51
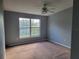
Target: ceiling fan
x=45 y=8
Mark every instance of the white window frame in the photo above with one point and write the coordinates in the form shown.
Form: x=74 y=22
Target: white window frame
x=30 y=29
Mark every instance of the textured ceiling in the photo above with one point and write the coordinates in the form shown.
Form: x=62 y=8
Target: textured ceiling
x=34 y=6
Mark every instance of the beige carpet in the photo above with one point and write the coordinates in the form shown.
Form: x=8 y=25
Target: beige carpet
x=41 y=50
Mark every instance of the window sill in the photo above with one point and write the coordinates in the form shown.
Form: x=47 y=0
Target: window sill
x=29 y=38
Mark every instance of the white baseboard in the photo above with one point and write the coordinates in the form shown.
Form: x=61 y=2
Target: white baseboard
x=61 y=44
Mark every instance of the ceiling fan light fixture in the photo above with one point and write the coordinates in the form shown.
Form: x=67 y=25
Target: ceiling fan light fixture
x=44 y=10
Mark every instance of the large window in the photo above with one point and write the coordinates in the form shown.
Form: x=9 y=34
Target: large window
x=29 y=27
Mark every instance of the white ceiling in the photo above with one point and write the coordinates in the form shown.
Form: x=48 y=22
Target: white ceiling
x=34 y=6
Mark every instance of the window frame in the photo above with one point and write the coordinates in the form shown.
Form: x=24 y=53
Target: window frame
x=30 y=27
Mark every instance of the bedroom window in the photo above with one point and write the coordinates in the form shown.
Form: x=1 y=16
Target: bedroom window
x=29 y=27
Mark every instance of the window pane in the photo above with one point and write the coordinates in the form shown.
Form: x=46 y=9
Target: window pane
x=35 y=32
x=35 y=22
x=24 y=32
x=24 y=22
x=24 y=27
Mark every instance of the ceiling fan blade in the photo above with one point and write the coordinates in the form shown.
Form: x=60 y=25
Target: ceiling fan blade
x=51 y=8
x=51 y=11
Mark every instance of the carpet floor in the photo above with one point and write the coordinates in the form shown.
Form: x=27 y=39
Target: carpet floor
x=40 y=50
